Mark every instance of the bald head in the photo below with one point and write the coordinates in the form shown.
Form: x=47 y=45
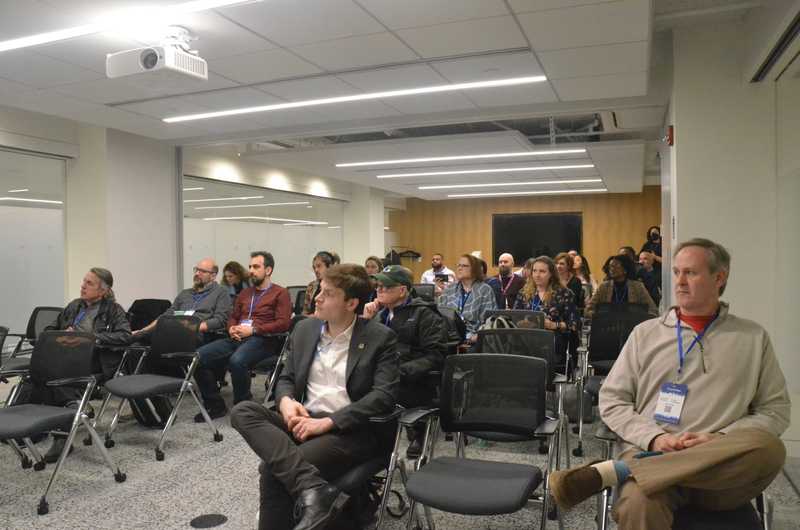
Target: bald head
x=205 y=272
x=505 y=263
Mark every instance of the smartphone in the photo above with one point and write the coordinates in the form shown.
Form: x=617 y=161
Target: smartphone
x=441 y=278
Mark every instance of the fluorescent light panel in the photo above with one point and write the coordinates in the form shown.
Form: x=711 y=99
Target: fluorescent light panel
x=512 y=193
x=499 y=184
x=226 y=199
x=20 y=199
x=481 y=171
x=257 y=218
x=18 y=191
x=360 y=97
x=193 y=189
x=250 y=205
x=118 y=21
x=463 y=157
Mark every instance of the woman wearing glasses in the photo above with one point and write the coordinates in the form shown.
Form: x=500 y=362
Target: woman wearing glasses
x=469 y=295
x=622 y=287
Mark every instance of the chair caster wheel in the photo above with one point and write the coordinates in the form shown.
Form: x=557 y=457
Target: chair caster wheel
x=119 y=476
x=26 y=463
x=402 y=507
x=575 y=429
x=159 y=455
x=552 y=514
x=87 y=440
x=109 y=443
x=543 y=449
x=43 y=507
x=38 y=466
x=217 y=436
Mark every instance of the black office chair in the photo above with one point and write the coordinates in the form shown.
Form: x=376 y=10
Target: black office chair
x=40 y=318
x=490 y=393
x=174 y=339
x=426 y=291
x=145 y=310
x=620 y=308
x=294 y=295
x=59 y=359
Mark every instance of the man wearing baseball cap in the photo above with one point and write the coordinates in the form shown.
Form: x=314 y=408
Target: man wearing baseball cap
x=421 y=336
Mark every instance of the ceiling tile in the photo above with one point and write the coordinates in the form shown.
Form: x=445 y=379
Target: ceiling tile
x=601 y=87
x=38 y=16
x=219 y=37
x=27 y=67
x=104 y=91
x=163 y=108
x=412 y=13
x=291 y=23
x=261 y=66
x=606 y=23
x=231 y=98
x=513 y=95
x=355 y=52
x=89 y=51
x=171 y=85
x=524 y=6
x=489 y=67
x=469 y=36
x=596 y=60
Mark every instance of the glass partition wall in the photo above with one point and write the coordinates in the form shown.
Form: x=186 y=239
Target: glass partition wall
x=227 y=221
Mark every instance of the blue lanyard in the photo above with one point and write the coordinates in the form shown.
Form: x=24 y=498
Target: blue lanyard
x=79 y=318
x=254 y=300
x=536 y=303
x=197 y=298
x=681 y=354
x=620 y=297
x=464 y=298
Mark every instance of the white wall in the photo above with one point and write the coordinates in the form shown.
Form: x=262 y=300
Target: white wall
x=363 y=224
x=32 y=131
x=293 y=247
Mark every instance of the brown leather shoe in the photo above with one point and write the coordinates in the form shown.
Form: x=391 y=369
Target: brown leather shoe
x=569 y=487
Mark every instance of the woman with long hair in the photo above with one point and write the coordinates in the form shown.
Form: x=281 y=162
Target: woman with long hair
x=322 y=261
x=582 y=271
x=621 y=287
x=235 y=278
x=566 y=277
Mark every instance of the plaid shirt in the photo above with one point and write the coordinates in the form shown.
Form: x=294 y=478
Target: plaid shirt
x=480 y=300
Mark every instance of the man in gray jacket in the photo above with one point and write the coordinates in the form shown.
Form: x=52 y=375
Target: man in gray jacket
x=698 y=400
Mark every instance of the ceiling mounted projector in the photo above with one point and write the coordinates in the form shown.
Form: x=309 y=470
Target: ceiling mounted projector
x=172 y=58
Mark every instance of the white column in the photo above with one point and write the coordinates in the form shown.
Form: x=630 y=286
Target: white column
x=362 y=227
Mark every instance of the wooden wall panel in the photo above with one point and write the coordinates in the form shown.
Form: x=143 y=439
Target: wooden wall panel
x=455 y=227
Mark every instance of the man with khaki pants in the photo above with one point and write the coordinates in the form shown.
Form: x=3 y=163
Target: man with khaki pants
x=698 y=400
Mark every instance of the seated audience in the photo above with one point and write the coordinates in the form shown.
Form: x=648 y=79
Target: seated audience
x=234 y=278
x=566 y=277
x=258 y=311
x=631 y=254
x=373 y=266
x=97 y=312
x=543 y=292
x=649 y=276
x=622 y=287
x=206 y=300
x=700 y=427
x=580 y=266
x=421 y=340
x=437 y=267
x=506 y=284
x=653 y=246
x=321 y=262
x=322 y=429
x=469 y=295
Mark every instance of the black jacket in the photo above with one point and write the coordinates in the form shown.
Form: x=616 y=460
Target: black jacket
x=371 y=374
x=421 y=338
x=111 y=326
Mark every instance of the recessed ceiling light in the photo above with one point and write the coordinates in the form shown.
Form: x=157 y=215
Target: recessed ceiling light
x=480 y=171
x=249 y=205
x=257 y=218
x=497 y=184
x=20 y=199
x=121 y=21
x=337 y=226
x=193 y=189
x=19 y=190
x=510 y=193
x=226 y=199
x=463 y=157
x=361 y=97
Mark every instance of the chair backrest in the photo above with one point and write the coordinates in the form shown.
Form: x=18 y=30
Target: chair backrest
x=3 y=335
x=61 y=354
x=426 y=291
x=299 y=301
x=294 y=296
x=493 y=392
x=456 y=328
x=41 y=317
x=174 y=334
x=620 y=308
x=145 y=310
x=539 y=343
x=610 y=331
x=521 y=318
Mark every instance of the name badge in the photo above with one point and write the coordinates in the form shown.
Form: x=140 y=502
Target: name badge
x=187 y=313
x=246 y=322
x=670 y=403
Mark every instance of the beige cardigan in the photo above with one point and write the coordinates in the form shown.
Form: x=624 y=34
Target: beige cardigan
x=637 y=294
x=734 y=380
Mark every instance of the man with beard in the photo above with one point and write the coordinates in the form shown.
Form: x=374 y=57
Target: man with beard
x=258 y=312
x=206 y=300
x=506 y=284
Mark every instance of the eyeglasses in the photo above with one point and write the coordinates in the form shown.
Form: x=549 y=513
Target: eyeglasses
x=381 y=287
x=463 y=266
x=198 y=269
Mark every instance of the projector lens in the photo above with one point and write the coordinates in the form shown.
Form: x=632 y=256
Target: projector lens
x=149 y=59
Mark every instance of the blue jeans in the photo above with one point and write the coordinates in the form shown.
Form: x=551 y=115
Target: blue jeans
x=239 y=356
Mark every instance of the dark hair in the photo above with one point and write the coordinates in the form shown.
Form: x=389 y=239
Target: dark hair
x=564 y=256
x=438 y=254
x=328 y=258
x=234 y=267
x=584 y=269
x=350 y=278
x=269 y=261
x=627 y=264
x=651 y=229
x=484 y=267
x=626 y=250
x=374 y=259
x=529 y=289
x=476 y=266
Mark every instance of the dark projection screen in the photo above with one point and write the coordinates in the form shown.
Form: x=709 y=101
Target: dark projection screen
x=528 y=235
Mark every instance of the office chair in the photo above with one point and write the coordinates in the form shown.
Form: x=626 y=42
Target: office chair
x=145 y=310
x=40 y=318
x=426 y=291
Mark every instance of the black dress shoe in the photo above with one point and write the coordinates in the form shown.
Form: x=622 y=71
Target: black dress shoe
x=55 y=450
x=213 y=412
x=316 y=507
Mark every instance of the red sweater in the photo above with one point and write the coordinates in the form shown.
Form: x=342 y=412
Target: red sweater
x=272 y=312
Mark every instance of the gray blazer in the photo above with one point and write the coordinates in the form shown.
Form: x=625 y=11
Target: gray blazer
x=372 y=374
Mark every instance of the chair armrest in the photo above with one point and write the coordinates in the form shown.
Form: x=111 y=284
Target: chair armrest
x=71 y=381
x=14 y=373
x=547 y=428
x=18 y=335
x=185 y=355
x=386 y=418
x=561 y=379
x=412 y=416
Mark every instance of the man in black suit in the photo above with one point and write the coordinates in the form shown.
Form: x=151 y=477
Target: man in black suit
x=340 y=370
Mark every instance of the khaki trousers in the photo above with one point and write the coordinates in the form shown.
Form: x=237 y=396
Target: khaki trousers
x=718 y=475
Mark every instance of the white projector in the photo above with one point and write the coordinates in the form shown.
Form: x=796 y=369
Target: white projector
x=164 y=59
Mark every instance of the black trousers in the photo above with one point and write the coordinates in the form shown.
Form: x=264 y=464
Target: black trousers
x=289 y=467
